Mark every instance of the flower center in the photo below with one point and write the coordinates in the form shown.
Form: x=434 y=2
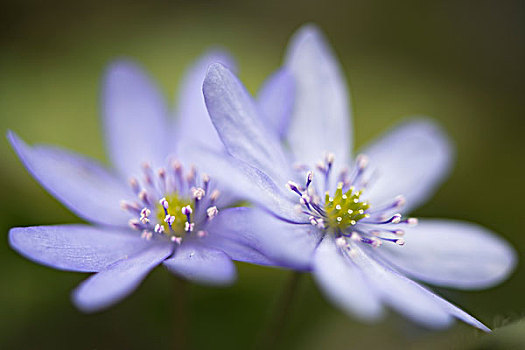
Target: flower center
x=173 y=212
x=344 y=209
x=345 y=215
x=171 y=204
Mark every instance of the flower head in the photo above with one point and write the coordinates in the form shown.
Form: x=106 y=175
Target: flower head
x=152 y=208
x=339 y=216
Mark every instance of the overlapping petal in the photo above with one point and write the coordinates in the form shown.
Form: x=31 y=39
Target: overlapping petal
x=134 y=116
x=117 y=281
x=201 y=263
x=321 y=119
x=343 y=283
x=75 y=247
x=410 y=160
x=452 y=254
x=85 y=187
x=193 y=125
x=241 y=129
x=250 y=234
x=276 y=101
x=406 y=296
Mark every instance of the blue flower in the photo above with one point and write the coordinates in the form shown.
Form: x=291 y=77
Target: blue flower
x=337 y=215
x=150 y=209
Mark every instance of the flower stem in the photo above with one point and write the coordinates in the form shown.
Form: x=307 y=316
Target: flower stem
x=180 y=316
x=272 y=333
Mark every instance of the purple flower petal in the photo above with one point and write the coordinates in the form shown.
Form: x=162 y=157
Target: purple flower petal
x=342 y=282
x=276 y=101
x=200 y=263
x=247 y=182
x=452 y=254
x=75 y=247
x=406 y=296
x=321 y=120
x=410 y=160
x=81 y=184
x=236 y=119
x=223 y=233
x=120 y=279
x=134 y=114
x=253 y=235
x=193 y=122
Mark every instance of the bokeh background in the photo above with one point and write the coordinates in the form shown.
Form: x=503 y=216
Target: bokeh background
x=461 y=62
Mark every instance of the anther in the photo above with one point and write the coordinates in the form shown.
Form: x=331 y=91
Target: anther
x=169 y=219
x=212 y=212
x=164 y=203
x=188 y=227
x=159 y=228
x=202 y=234
x=198 y=193
x=134 y=224
x=341 y=242
x=214 y=195
x=143 y=196
x=362 y=161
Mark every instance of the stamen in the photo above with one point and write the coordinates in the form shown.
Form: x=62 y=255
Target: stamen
x=212 y=212
x=198 y=193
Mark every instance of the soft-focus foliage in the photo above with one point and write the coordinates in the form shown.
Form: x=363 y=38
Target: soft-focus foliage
x=456 y=61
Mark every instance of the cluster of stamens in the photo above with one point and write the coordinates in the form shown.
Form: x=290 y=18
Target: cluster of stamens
x=171 y=203
x=344 y=214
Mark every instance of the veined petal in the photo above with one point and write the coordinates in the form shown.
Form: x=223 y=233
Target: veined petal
x=222 y=233
x=134 y=115
x=81 y=184
x=80 y=248
x=253 y=235
x=410 y=160
x=452 y=254
x=247 y=182
x=322 y=117
x=117 y=281
x=202 y=264
x=343 y=283
x=235 y=116
x=193 y=124
x=276 y=101
x=407 y=297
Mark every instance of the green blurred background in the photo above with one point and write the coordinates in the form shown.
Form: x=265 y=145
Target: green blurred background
x=460 y=62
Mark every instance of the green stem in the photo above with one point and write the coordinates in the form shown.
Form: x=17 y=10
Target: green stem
x=180 y=315
x=272 y=333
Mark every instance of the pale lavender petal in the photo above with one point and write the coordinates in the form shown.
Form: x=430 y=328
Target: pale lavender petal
x=202 y=264
x=193 y=124
x=223 y=233
x=276 y=101
x=322 y=117
x=253 y=235
x=134 y=115
x=247 y=182
x=235 y=116
x=75 y=247
x=342 y=282
x=119 y=279
x=410 y=160
x=84 y=186
x=402 y=294
x=452 y=254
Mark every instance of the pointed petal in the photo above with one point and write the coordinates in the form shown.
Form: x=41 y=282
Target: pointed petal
x=404 y=295
x=202 y=264
x=321 y=119
x=193 y=124
x=410 y=160
x=120 y=279
x=255 y=236
x=134 y=115
x=240 y=128
x=80 y=248
x=276 y=101
x=81 y=184
x=343 y=283
x=452 y=254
